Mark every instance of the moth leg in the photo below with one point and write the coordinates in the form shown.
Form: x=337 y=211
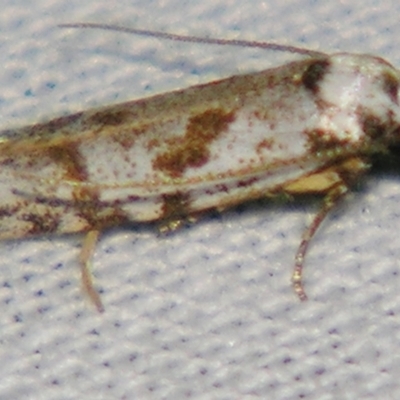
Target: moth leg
x=330 y=200
x=85 y=258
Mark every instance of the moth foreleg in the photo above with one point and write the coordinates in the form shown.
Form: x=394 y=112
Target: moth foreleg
x=330 y=200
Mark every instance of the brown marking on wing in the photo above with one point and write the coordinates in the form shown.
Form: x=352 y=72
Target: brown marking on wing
x=97 y=214
x=126 y=137
x=266 y=144
x=323 y=140
x=121 y=125
x=192 y=150
x=42 y=223
x=67 y=155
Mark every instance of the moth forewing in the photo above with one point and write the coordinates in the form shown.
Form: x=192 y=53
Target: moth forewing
x=307 y=126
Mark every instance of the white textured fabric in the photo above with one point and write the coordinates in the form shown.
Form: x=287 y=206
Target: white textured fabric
x=206 y=313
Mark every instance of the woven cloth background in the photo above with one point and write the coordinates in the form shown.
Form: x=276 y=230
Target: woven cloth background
x=206 y=313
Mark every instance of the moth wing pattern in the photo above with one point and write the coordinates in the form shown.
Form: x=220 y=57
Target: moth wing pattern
x=214 y=144
x=307 y=126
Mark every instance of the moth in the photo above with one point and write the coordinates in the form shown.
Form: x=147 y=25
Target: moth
x=308 y=126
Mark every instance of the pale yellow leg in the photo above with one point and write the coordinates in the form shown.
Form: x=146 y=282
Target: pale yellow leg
x=331 y=199
x=88 y=247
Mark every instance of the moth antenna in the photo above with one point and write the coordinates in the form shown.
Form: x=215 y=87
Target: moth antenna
x=194 y=39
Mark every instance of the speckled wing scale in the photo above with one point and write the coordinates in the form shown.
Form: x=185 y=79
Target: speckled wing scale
x=309 y=126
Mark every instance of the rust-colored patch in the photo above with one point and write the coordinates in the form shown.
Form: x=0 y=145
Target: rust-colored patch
x=313 y=75
x=192 y=150
x=152 y=143
x=120 y=126
x=67 y=155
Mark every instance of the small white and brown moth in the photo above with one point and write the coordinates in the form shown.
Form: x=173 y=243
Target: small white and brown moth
x=309 y=126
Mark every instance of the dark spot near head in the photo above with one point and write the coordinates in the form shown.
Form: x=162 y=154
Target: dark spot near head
x=391 y=86
x=313 y=75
